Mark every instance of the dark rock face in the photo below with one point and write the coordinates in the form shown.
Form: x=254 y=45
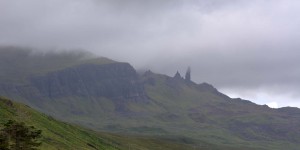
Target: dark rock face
x=178 y=76
x=188 y=75
x=113 y=81
x=116 y=81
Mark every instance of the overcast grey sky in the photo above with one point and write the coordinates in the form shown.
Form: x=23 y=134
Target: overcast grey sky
x=246 y=48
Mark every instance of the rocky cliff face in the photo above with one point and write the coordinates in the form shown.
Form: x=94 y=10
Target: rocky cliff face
x=115 y=81
x=118 y=82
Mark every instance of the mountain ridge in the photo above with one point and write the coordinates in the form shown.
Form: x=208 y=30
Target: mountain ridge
x=113 y=97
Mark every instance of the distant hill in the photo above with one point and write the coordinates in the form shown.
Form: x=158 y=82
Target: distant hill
x=110 y=96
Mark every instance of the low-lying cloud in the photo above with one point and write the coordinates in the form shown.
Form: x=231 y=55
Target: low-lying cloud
x=240 y=46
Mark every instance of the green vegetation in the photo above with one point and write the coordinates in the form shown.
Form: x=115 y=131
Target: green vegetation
x=209 y=116
x=16 y=135
x=55 y=134
x=58 y=135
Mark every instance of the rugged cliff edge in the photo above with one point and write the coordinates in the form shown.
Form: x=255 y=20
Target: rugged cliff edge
x=115 y=81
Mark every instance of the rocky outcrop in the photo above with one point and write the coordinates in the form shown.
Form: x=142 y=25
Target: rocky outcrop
x=177 y=76
x=116 y=81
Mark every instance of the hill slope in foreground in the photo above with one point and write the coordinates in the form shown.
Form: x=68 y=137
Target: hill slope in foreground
x=55 y=134
x=59 y=135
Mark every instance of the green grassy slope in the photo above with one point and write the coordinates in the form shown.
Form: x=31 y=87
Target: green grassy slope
x=55 y=135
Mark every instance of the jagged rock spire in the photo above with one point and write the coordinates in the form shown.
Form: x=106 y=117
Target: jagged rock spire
x=177 y=75
x=188 y=74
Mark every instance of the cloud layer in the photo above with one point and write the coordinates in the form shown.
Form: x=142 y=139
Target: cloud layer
x=243 y=47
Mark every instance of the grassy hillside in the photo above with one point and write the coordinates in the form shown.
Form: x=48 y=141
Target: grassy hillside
x=55 y=134
x=202 y=113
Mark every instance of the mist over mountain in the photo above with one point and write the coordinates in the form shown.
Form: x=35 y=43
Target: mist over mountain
x=246 y=48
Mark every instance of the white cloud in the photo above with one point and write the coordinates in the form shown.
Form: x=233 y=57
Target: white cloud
x=265 y=97
x=273 y=105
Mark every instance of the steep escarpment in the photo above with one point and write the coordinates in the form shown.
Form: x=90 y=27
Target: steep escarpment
x=63 y=84
x=74 y=90
x=115 y=81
